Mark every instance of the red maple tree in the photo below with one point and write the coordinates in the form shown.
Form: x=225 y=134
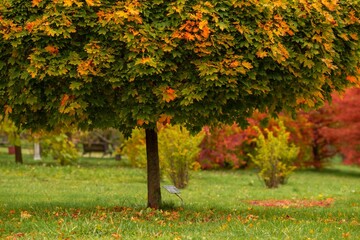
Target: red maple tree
x=344 y=130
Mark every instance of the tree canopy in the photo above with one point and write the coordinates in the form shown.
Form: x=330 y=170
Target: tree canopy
x=127 y=63
x=102 y=63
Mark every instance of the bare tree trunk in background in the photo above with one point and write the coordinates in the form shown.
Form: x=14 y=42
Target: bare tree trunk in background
x=18 y=155
x=37 y=154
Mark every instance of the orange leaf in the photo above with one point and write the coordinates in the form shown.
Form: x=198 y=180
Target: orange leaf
x=205 y=32
x=169 y=94
x=52 y=50
x=36 y=3
x=145 y=60
x=234 y=64
x=64 y=99
x=7 y=109
x=189 y=36
x=351 y=79
x=85 y=67
x=164 y=119
x=261 y=54
x=141 y=122
x=354 y=36
x=29 y=26
x=300 y=100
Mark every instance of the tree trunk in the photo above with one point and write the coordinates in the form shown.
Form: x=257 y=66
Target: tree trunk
x=153 y=169
x=18 y=155
x=37 y=154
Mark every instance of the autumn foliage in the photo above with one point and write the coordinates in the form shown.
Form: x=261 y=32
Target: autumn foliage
x=122 y=63
x=320 y=134
x=274 y=155
x=87 y=59
x=313 y=132
x=343 y=132
x=223 y=147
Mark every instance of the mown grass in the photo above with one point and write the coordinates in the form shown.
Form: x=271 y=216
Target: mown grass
x=103 y=199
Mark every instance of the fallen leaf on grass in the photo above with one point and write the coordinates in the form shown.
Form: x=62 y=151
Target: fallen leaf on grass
x=346 y=235
x=25 y=215
x=293 y=203
x=15 y=236
x=116 y=235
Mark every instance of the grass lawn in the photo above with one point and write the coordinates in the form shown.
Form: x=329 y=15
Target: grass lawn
x=102 y=199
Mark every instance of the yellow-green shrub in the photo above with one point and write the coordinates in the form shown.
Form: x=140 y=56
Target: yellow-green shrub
x=274 y=155
x=60 y=148
x=178 y=150
x=135 y=148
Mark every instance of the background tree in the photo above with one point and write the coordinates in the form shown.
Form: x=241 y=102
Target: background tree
x=225 y=146
x=343 y=132
x=321 y=146
x=121 y=64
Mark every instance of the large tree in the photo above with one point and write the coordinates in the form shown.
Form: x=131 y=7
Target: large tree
x=122 y=64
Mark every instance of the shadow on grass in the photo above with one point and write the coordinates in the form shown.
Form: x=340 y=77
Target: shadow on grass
x=86 y=162
x=343 y=172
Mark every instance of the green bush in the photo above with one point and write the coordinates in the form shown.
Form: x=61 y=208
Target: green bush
x=60 y=148
x=12 y=132
x=274 y=155
x=178 y=150
x=135 y=148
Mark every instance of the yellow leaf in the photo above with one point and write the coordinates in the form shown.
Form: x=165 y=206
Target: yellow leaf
x=68 y=3
x=329 y=63
x=261 y=54
x=246 y=65
x=319 y=95
x=328 y=46
x=203 y=24
x=25 y=215
x=131 y=10
x=330 y=4
x=145 y=60
x=354 y=36
x=93 y=2
x=344 y=36
x=121 y=14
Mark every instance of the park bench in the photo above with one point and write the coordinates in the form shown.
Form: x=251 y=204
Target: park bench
x=96 y=147
x=3 y=140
